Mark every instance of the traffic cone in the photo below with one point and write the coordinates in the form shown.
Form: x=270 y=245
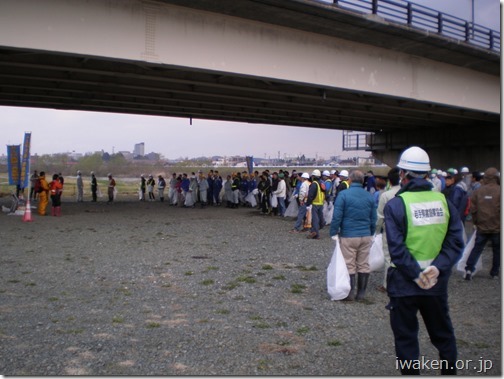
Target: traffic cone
x=27 y=217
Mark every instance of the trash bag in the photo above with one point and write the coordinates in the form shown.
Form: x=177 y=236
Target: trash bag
x=292 y=209
x=274 y=201
x=338 y=278
x=189 y=199
x=376 y=257
x=250 y=198
x=327 y=211
x=465 y=255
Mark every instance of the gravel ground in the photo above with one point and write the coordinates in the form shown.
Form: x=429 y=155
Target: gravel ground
x=136 y=288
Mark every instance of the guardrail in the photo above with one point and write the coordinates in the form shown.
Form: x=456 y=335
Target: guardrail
x=427 y=19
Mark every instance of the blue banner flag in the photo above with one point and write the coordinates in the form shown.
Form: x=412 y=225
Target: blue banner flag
x=250 y=163
x=14 y=163
x=25 y=162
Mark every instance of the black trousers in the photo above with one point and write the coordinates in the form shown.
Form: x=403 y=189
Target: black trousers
x=405 y=326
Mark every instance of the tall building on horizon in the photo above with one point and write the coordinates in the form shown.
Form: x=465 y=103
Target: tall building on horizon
x=139 y=150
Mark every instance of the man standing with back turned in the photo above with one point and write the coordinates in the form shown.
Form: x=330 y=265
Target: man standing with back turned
x=424 y=235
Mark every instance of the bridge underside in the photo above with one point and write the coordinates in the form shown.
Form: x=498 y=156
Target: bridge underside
x=30 y=78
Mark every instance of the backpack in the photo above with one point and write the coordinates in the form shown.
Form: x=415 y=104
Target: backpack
x=38 y=186
x=322 y=185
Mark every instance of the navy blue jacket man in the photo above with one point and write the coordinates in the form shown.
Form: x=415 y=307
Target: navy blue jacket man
x=425 y=240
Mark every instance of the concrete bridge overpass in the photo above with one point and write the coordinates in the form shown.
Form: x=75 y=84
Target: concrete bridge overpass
x=287 y=62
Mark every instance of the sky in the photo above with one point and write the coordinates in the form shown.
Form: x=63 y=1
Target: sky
x=55 y=131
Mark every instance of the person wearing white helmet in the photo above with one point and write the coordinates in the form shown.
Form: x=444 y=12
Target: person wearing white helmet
x=301 y=199
x=326 y=177
x=315 y=202
x=424 y=236
x=344 y=183
x=466 y=177
x=80 y=187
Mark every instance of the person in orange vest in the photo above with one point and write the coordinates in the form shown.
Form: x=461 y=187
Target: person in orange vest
x=43 y=195
x=56 y=189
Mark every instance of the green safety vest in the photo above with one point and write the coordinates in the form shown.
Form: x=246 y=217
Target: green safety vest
x=427 y=218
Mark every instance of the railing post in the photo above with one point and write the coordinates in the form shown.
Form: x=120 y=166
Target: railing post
x=374 y=7
x=410 y=14
x=467 y=31
x=440 y=23
x=491 y=40
x=335 y=2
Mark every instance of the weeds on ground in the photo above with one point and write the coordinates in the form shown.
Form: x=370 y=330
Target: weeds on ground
x=297 y=288
x=334 y=343
x=117 y=320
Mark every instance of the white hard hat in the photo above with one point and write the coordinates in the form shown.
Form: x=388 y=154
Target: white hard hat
x=464 y=169
x=344 y=173
x=333 y=172
x=325 y=173
x=316 y=173
x=414 y=159
x=305 y=175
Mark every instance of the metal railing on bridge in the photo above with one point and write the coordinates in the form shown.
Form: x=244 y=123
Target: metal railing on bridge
x=427 y=19
x=356 y=140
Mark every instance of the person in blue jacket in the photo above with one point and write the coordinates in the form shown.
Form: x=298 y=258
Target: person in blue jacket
x=424 y=236
x=354 y=220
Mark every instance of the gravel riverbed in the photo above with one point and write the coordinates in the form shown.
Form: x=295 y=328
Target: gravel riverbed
x=143 y=288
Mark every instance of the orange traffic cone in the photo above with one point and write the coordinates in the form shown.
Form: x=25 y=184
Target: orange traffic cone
x=27 y=214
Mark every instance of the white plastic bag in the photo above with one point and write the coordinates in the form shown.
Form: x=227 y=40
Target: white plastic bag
x=376 y=257
x=465 y=255
x=251 y=199
x=274 y=201
x=327 y=211
x=293 y=209
x=338 y=279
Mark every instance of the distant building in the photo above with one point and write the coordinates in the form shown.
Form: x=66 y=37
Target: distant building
x=139 y=150
x=127 y=155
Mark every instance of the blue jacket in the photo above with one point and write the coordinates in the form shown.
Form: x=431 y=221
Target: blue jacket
x=400 y=279
x=354 y=213
x=458 y=197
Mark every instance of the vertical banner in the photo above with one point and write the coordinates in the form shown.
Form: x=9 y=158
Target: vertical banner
x=14 y=163
x=25 y=162
x=250 y=163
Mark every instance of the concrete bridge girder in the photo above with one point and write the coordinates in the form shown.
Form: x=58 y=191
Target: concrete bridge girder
x=296 y=62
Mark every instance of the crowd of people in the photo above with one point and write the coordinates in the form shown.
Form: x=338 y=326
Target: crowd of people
x=424 y=215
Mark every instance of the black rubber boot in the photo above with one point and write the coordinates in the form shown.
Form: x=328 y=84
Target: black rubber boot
x=351 y=294
x=362 y=282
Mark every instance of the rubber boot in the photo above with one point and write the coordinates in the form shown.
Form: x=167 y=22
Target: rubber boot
x=362 y=282
x=53 y=211
x=58 y=211
x=351 y=294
